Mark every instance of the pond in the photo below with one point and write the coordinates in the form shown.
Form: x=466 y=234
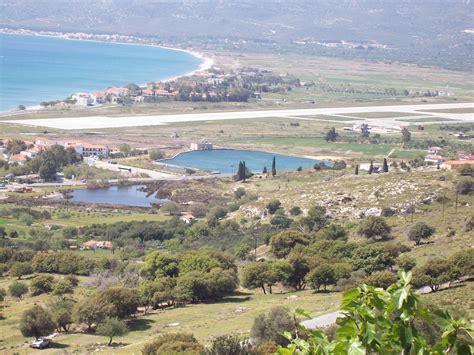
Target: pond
x=116 y=195
x=226 y=161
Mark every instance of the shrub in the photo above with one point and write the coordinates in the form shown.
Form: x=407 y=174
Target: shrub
x=172 y=208
x=20 y=269
x=420 y=231
x=273 y=206
x=406 y=263
x=271 y=326
x=228 y=345
x=239 y=193
x=18 y=289
x=295 y=211
x=41 y=284
x=465 y=186
x=334 y=232
x=381 y=279
x=281 y=221
x=156 y=154
x=376 y=228
x=178 y=343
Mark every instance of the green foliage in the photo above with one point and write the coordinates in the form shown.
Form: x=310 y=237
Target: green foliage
x=265 y=274
x=372 y=257
x=384 y=322
x=281 y=244
x=463 y=261
x=381 y=279
x=295 y=211
x=60 y=310
x=156 y=154
x=334 y=232
x=123 y=300
x=322 y=276
x=92 y=310
x=20 y=269
x=434 y=273
x=273 y=206
x=41 y=284
x=315 y=220
x=239 y=193
x=178 y=343
x=281 y=221
x=271 y=326
x=36 y=322
x=63 y=263
x=420 y=231
x=112 y=327
x=17 y=289
x=405 y=262
x=229 y=345
x=63 y=287
x=375 y=228
x=465 y=186
x=331 y=135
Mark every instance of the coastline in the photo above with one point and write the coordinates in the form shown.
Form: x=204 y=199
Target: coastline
x=206 y=62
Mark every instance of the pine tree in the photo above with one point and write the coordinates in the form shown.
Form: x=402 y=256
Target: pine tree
x=371 y=167
x=356 y=170
x=274 y=171
x=238 y=176
x=385 y=166
x=264 y=170
x=244 y=172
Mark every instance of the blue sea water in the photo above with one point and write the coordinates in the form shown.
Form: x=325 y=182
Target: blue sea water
x=227 y=160
x=37 y=68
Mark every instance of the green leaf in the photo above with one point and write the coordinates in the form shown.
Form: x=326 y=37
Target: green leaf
x=349 y=297
x=356 y=348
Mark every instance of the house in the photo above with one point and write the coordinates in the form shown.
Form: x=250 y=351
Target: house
x=98 y=98
x=435 y=150
x=434 y=158
x=83 y=99
x=97 y=244
x=19 y=159
x=32 y=152
x=201 y=146
x=89 y=150
x=456 y=164
x=466 y=156
x=187 y=218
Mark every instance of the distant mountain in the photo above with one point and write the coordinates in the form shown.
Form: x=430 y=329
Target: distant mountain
x=427 y=28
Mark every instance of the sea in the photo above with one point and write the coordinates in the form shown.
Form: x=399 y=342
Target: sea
x=39 y=68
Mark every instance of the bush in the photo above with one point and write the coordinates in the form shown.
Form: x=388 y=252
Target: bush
x=178 y=343
x=273 y=206
x=295 y=211
x=420 y=231
x=465 y=186
x=41 y=284
x=239 y=193
x=281 y=221
x=271 y=326
x=381 y=279
x=172 y=208
x=20 y=269
x=406 y=263
x=376 y=228
x=334 y=232
x=228 y=345
x=18 y=289
x=156 y=154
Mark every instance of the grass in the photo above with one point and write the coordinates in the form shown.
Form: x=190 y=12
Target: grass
x=426 y=119
x=453 y=110
x=381 y=114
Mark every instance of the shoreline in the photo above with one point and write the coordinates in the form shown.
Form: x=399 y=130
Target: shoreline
x=206 y=62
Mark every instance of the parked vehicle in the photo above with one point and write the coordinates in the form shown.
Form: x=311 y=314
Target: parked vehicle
x=40 y=343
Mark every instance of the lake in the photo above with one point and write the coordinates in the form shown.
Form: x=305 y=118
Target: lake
x=226 y=161
x=116 y=195
x=39 y=68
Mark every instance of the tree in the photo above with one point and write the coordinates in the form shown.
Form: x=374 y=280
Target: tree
x=375 y=228
x=228 y=345
x=20 y=269
x=434 y=273
x=273 y=206
x=371 y=167
x=60 y=310
x=295 y=211
x=420 y=231
x=274 y=171
x=334 y=232
x=331 y=135
x=315 y=220
x=264 y=171
x=465 y=186
x=63 y=287
x=385 y=166
x=280 y=221
x=17 y=289
x=322 y=276
x=281 y=244
x=381 y=279
x=356 y=172
x=36 y=322
x=372 y=257
x=256 y=275
x=405 y=262
x=271 y=326
x=124 y=300
x=41 y=284
x=125 y=149
x=378 y=321
x=406 y=136
x=112 y=327
x=92 y=310
x=48 y=170
x=239 y=193
x=364 y=130
x=463 y=261
x=172 y=208
x=156 y=154
x=21 y=107
x=300 y=265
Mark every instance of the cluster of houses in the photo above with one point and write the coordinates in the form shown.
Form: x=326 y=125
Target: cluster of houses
x=435 y=156
x=117 y=95
x=34 y=148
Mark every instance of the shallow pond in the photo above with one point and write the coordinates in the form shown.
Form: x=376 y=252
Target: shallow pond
x=116 y=195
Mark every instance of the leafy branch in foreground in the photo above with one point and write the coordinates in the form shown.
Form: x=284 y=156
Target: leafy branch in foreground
x=384 y=321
